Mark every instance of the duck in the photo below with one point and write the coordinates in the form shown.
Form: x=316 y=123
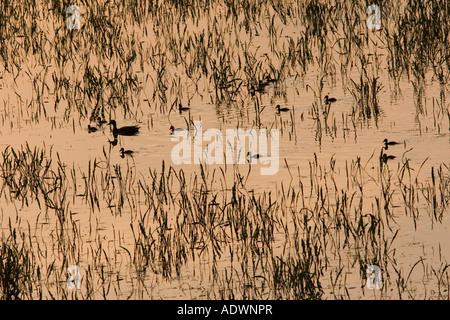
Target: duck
x=124 y=131
x=92 y=129
x=389 y=143
x=386 y=157
x=280 y=109
x=172 y=129
x=178 y=131
x=181 y=108
x=256 y=156
x=329 y=100
x=126 y=152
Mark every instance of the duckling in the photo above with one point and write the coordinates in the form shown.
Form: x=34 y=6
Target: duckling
x=279 y=109
x=124 y=131
x=125 y=152
x=178 y=131
x=92 y=129
x=181 y=108
x=329 y=100
x=388 y=143
x=256 y=156
x=386 y=157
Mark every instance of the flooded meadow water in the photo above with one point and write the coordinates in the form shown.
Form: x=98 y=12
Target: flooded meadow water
x=145 y=226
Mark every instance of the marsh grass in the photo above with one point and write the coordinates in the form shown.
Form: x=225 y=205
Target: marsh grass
x=180 y=222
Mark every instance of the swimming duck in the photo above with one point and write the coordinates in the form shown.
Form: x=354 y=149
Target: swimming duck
x=329 y=100
x=279 y=109
x=251 y=157
x=124 y=131
x=179 y=131
x=181 y=108
x=386 y=157
x=92 y=129
x=390 y=143
x=256 y=156
x=125 y=152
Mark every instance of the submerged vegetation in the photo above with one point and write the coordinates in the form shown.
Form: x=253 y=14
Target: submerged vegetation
x=209 y=233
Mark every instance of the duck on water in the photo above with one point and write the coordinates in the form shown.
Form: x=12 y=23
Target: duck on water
x=280 y=109
x=123 y=131
x=126 y=152
x=388 y=143
x=329 y=100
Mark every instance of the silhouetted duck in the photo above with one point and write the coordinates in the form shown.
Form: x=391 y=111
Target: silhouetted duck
x=389 y=143
x=124 y=131
x=329 y=100
x=92 y=129
x=280 y=109
x=172 y=129
x=386 y=157
x=179 y=130
x=256 y=156
x=125 y=152
x=181 y=108
x=251 y=157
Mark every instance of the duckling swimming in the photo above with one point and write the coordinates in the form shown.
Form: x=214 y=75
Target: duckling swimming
x=280 y=109
x=388 y=143
x=92 y=129
x=173 y=130
x=181 y=108
x=386 y=157
x=125 y=152
x=256 y=156
x=329 y=100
